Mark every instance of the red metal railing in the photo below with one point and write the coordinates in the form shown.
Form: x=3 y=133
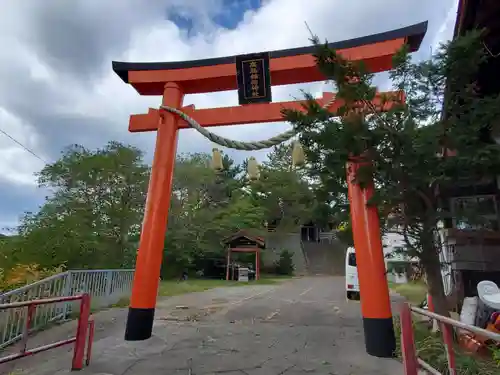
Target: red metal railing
x=411 y=362
x=84 y=324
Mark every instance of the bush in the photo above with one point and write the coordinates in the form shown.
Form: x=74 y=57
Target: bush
x=24 y=274
x=284 y=266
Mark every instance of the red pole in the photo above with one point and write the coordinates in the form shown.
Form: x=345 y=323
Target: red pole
x=447 y=335
x=257 y=264
x=29 y=318
x=90 y=342
x=408 y=350
x=149 y=257
x=374 y=291
x=227 y=263
x=430 y=304
x=81 y=333
x=448 y=343
x=430 y=307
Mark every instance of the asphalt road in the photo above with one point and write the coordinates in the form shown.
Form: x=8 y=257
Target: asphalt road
x=302 y=326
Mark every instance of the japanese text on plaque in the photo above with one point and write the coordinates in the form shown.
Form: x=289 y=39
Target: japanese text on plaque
x=255 y=80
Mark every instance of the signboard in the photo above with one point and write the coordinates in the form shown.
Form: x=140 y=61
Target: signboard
x=254 y=79
x=243 y=274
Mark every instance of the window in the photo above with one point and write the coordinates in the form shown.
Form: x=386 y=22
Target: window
x=352 y=260
x=484 y=206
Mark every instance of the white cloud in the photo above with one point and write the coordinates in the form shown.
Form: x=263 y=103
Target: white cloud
x=445 y=31
x=149 y=36
x=17 y=166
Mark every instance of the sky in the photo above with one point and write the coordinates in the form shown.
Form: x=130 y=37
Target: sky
x=57 y=87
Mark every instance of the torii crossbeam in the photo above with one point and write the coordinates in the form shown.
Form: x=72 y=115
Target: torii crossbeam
x=173 y=80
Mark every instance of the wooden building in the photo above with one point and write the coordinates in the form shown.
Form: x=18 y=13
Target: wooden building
x=471 y=253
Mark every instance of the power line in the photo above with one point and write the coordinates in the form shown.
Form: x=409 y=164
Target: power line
x=23 y=146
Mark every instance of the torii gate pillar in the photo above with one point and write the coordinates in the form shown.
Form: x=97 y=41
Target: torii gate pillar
x=150 y=254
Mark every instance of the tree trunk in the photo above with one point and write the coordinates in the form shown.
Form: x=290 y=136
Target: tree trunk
x=432 y=267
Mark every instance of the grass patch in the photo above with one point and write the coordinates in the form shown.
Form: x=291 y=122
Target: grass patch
x=430 y=348
x=122 y=302
x=174 y=288
x=414 y=292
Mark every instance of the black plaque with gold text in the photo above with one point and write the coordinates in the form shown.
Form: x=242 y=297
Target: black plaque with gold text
x=254 y=79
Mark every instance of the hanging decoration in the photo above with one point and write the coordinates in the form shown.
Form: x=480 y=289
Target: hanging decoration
x=253 y=169
x=217 y=160
x=298 y=156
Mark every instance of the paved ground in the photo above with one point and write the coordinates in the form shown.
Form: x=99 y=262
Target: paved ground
x=303 y=326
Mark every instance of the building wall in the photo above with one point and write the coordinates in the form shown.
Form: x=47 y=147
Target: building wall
x=396 y=261
x=277 y=242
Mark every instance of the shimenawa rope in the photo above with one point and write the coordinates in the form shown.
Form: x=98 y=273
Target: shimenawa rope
x=237 y=145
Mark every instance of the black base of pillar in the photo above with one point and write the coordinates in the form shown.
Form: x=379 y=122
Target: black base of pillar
x=380 y=340
x=139 y=324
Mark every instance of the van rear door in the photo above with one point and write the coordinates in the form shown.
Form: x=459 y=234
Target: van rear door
x=352 y=280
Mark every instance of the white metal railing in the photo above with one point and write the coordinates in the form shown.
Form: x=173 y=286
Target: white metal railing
x=328 y=236
x=105 y=288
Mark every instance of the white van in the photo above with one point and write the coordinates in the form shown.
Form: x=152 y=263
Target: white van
x=351 y=275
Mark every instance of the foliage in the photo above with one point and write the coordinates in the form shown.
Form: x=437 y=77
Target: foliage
x=23 y=274
x=284 y=265
x=413 y=153
x=92 y=217
x=206 y=207
x=96 y=205
x=414 y=292
x=283 y=191
x=344 y=234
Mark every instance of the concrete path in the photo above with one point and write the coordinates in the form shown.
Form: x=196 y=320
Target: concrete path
x=303 y=326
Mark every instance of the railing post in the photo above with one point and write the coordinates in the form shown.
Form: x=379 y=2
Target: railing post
x=27 y=324
x=408 y=351
x=107 y=291
x=68 y=281
x=448 y=344
x=81 y=333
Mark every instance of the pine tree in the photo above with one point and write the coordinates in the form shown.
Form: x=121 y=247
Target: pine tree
x=426 y=141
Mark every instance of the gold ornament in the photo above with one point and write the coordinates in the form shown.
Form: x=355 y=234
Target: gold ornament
x=217 y=160
x=298 y=157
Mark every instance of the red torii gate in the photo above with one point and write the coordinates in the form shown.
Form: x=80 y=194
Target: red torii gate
x=173 y=80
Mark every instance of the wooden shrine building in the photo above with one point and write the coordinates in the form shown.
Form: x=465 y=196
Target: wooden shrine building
x=243 y=242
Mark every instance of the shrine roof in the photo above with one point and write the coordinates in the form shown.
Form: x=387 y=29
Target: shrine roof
x=243 y=234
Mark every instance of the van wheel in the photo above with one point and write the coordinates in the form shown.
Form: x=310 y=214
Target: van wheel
x=353 y=296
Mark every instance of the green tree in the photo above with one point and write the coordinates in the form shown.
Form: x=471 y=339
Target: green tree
x=282 y=190
x=284 y=265
x=408 y=146
x=192 y=183
x=96 y=205
x=206 y=207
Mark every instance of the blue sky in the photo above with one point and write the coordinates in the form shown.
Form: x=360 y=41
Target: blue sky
x=58 y=87
x=231 y=15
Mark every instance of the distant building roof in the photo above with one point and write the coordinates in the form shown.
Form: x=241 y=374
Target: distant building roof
x=259 y=241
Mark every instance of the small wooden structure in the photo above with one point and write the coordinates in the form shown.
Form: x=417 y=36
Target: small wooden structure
x=243 y=242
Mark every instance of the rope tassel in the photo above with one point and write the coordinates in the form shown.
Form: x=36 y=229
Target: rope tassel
x=298 y=156
x=253 y=169
x=217 y=160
